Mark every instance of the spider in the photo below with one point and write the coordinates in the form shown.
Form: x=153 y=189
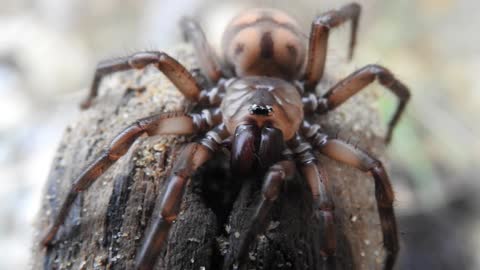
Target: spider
x=256 y=104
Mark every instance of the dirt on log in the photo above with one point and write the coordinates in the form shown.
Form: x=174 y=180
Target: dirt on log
x=107 y=223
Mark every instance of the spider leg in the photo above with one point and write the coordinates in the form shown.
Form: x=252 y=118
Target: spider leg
x=348 y=154
x=356 y=82
x=174 y=71
x=191 y=158
x=323 y=208
x=207 y=58
x=317 y=49
x=213 y=96
x=272 y=184
x=317 y=180
x=165 y=123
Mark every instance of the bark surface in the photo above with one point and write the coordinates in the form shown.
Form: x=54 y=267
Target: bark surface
x=107 y=223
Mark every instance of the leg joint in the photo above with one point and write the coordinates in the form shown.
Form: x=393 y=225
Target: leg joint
x=383 y=75
x=356 y=8
x=206 y=119
x=375 y=166
x=323 y=105
x=273 y=182
x=377 y=170
x=327 y=20
x=114 y=155
x=377 y=69
x=168 y=217
x=172 y=199
x=142 y=59
x=188 y=25
x=214 y=138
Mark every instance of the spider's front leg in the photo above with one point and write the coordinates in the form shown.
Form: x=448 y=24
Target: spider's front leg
x=356 y=82
x=192 y=157
x=174 y=71
x=164 y=123
x=348 y=154
x=317 y=49
x=272 y=184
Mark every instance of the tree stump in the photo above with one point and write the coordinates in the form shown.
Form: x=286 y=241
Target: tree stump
x=107 y=223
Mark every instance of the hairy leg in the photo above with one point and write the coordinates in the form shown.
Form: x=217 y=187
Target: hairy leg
x=356 y=82
x=317 y=181
x=174 y=71
x=272 y=184
x=317 y=49
x=323 y=204
x=193 y=156
x=207 y=59
x=348 y=154
x=165 y=123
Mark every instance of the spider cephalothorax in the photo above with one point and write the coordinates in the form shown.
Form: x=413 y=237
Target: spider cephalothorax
x=257 y=108
x=280 y=99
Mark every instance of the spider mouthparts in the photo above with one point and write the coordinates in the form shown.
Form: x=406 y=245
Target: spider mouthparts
x=265 y=110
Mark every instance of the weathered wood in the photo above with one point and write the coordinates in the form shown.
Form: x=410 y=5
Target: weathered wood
x=107 y=223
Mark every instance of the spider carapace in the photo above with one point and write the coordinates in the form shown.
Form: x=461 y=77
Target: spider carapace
x=256 y=104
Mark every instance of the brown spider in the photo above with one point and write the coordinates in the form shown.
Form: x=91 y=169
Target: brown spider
x=256 y=107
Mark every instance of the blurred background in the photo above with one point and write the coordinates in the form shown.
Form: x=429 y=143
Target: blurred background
x=49 y=49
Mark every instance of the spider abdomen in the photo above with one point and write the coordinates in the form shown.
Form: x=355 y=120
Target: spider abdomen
x=264 y=42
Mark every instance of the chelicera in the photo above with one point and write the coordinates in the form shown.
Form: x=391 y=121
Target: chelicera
x=257 y=104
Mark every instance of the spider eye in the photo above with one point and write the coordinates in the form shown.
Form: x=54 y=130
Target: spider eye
x=265 y=110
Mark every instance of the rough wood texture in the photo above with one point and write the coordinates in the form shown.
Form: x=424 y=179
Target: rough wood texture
x=107 y=223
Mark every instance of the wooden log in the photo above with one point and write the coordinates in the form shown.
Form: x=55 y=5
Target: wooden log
x=107 y=223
